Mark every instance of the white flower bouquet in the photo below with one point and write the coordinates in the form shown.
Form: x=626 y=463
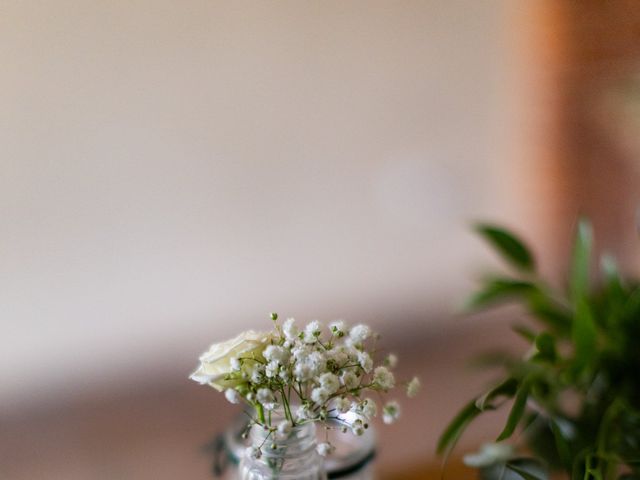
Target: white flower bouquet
x=292 y=377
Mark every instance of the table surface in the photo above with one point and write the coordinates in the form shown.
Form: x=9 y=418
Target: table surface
x=454 y=470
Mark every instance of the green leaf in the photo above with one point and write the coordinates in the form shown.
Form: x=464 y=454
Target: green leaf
x=507 y=244
x=507 y=389
x=546 y=345
x=494 y=358
x=452 y=433
x=517 y=467
x=579 y=276
x=525 y=332
x=584 y=336
x=611 y=272
x=499 y=289
x=517 y=411
x=539 y=438
x=524 y=473
x=632 y=304
x=547 y=310
x=562 y=444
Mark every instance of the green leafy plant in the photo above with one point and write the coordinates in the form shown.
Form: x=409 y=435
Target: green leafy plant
x=575 y=395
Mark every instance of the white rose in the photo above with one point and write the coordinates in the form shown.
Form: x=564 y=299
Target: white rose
x=215 y=364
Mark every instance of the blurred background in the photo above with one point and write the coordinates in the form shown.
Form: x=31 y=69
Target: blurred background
x=173 y=171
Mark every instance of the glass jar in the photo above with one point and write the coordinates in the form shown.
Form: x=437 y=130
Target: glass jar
x=353 y=458
x=293 y=457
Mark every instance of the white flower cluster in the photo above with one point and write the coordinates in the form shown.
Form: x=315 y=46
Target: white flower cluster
x=311 y=374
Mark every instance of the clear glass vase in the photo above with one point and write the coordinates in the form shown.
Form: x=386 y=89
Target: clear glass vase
x=293 y=458
x=353 y=458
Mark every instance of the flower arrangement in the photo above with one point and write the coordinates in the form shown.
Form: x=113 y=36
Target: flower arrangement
x=576 y=392
x=315 y=374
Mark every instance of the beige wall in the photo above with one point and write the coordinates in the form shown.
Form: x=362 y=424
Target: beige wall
x=173 y=170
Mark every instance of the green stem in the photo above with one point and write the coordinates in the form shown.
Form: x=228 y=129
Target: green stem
x=605 y=466
x=287 y=408
x=260 y=412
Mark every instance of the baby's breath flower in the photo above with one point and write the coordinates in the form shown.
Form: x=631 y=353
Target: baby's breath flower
x=319 y=395
x=357 y=427
x=338 y=355
x=275 y=353
x=317 y=361
x=235 y=363
x=265 y=396
x=328 y=377
x=329 y=382
x=272 y=368
x=365 y=361
x=341 y=404
x=383 y=378
x=324 y=449
x=303 y=413
x=367 y=408
x=390 y=412
x=312 y=331
x=271 y=406
x=391 y=361
x=322 y=414
x=284 y=375
x=301 y=352
x=413 y=387
x=257 y=373
x=349 y=380
x=290 y=330
x=302 y=372
x=359 y=334
x=232 y=396
x=338 y=328
x=284 y=428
